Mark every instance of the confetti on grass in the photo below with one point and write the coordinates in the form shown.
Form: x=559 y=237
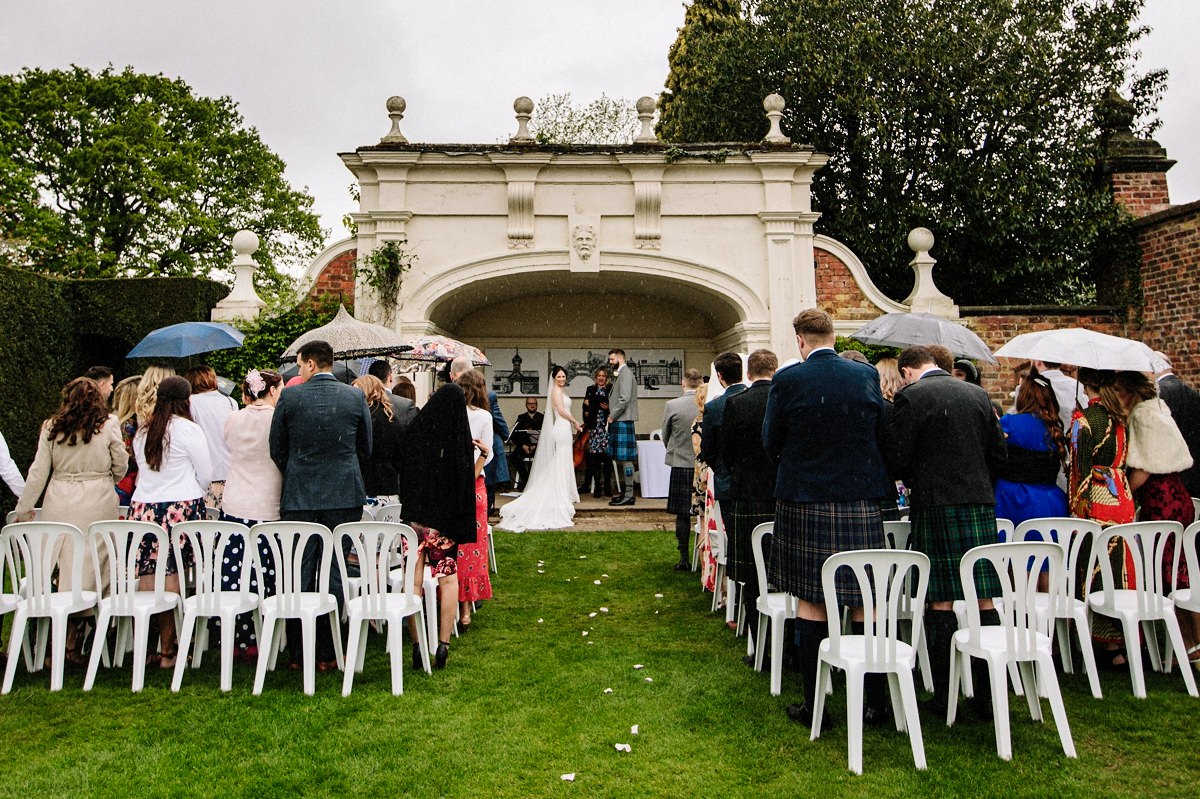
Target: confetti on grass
x=633 y=730
x=658 y=596
x=623 y=747
x=569 y=777
x=608 y=690
x=595 y=582
x=604 y=610
x=638 y=666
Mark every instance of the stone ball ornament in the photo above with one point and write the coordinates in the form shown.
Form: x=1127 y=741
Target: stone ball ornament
x=245 y=242
x=645 y=105
x=920 y=239
x=523 y=105
x=773 y=103
x=396 y=104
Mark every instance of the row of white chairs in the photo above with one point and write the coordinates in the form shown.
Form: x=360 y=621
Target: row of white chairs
x=383 y=592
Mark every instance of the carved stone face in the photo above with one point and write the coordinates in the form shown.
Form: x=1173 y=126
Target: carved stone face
x=585 y=241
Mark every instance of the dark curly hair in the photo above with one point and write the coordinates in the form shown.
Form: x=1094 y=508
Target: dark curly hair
x=81 y=415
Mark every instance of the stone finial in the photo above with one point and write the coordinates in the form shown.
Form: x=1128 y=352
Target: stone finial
x=773 y=104
x=524 y=108
x=925 y=296
x=395 y=107
x=242 y=302
x=645 y=111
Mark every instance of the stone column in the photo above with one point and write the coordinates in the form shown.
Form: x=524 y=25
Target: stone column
x=243 y=301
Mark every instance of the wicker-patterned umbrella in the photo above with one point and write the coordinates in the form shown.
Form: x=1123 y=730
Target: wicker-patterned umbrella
x=440 y=349
x=351 y=338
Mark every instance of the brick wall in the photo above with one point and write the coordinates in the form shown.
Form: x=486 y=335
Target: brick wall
x=1170 y=242
x=337 y=279
x=1142 y=193
x=837 y=291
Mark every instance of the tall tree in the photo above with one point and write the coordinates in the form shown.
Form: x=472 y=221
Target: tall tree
x=110 y=174
x=974 y=119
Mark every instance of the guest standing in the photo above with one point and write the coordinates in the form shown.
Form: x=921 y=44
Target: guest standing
x=622 y=420
x=9 y=470
x=728 y=368
x=381 y=475
x=598 y=473
x=1027 y=482
x=147 y=395
x=678 y=416
x=124 y=400
x=173 y=471
x=210 y=408
x=496 y=473
x=474 y=580
x=1184 y=404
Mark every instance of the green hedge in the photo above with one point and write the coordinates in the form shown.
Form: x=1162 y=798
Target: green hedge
x=53 y=329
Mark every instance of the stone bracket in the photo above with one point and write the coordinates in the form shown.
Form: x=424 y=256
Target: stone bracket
x=520 y=171
x=647 y=172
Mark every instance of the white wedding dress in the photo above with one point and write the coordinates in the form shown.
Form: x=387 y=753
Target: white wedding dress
x=548 y=501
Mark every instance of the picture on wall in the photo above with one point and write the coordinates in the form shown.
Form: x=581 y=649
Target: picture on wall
x=525 y=372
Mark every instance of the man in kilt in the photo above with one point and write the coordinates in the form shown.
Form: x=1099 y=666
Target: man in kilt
x=751 y=490
x=622 y=413
x=678 y=416
x=825 y=424
x=945 y=445
x=728 y=366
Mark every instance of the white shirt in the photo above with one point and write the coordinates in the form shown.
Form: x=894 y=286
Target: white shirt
x=481 y=430
x=210 y=409
x=186 y=468
x=9 y=471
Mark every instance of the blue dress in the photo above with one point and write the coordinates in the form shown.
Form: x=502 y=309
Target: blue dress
x=1026 y=485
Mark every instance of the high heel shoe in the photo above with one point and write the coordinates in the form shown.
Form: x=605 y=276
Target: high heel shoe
x=439 y=656
x=416 y=655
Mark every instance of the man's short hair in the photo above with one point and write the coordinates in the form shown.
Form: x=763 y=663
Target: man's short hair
x=762 y=363
x=319 y=351
x=916 y=357
x=617 y=351
x=529 y=400
x=380 y=369
x=729 y=367
x=692 y=378
x=98 y=373
x=460 y=365
x=942 y=356
x=854 y=355
x=405 y=388
x=813 y=323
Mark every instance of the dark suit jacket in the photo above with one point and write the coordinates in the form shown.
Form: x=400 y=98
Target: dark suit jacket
x=404 y=408
x=497 y=469
x=710 y=442
x=1184 y=404
x=751 y=471
x=321 y=441
x=382 y=473
x=946 y=442
x=824 y=425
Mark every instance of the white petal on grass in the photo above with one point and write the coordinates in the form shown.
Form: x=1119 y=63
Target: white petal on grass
x=608 y=690
x=604 y=610
x=658 y=596
x=595 y=582
x=540 y=621
x=541 y=571
x=585 y=632
x=569 y=777
x=623 y=747
x=604 y=575
x=649 y=679
x=638 y=666
x=583 y=557
x=592 y=615
x=633 y=730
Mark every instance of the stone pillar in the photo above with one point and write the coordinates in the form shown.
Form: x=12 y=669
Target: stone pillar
x=242 y=302
x=1135 y=170
x=926 y=297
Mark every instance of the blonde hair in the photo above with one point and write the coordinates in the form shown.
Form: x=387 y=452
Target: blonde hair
x=124 y=398
x=147 y=394
x=376 y=394
x=701 y=398
x=890 y=380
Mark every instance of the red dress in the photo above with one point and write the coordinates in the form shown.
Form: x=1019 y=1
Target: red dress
x=474 y=580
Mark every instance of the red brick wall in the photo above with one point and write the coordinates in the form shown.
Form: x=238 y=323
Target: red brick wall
x=1170 y=269
x=337 y=279
x=837 y=291
x=1142 y=193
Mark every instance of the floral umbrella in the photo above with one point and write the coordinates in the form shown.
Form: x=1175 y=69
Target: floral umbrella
x=350 y=338
x=440 y=349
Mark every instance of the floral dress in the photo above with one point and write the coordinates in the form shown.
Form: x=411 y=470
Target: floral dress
x=598 y=433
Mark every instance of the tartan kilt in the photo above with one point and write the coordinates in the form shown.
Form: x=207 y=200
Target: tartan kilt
x=679 y=494
x=945 y=534
x=806 y=534
x=622 y=441
x=741 y=517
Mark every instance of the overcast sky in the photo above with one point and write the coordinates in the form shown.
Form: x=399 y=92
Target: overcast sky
x=313 y=76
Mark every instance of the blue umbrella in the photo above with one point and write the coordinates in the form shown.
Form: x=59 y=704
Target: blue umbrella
x=187 y=338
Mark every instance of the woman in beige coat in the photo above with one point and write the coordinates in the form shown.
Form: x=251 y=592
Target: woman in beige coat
x=80 y=457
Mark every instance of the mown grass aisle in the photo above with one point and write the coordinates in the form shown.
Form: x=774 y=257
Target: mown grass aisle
x=523 y=702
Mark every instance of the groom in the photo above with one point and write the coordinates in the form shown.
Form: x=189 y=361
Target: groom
x=622 y=413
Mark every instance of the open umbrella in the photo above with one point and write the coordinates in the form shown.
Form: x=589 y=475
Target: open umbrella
x=912 y=329
x=187 y=338
x=1082 y=347
x=342 y=370
x=440 y=349
x=350 y=338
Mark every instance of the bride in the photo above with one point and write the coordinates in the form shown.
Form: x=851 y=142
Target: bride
x=548 y=500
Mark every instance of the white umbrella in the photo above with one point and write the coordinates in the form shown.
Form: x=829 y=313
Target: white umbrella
x=350 y=338
x=912 y=329
x=1079 y=346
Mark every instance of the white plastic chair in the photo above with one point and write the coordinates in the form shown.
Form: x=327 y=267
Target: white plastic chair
x=374 y=542
x=885 y=577
x=429 y=583
x=718 y=546
x=33 y=544
x=118 y=541
x=286 y=541
x=1004 y=534
x=1022 y=637
x=213 y=542
x=12 y=574
x=1186 y=598
x=1059 y=604
x=896 y=535
x=1146 y=546
x=774 y=607
x=656 y=435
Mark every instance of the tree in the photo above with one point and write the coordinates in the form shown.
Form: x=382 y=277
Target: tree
x=977 y=120
x=557 y=120
x=116 y=174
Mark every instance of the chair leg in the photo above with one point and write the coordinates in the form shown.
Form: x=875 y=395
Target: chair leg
x=1045 y=667
x=1175 y=636
x=1062 y=630
x=20 y=619
x=908 y=696
x=361 y=655
x=777 y=635
x=759 y=649
x=58 y=643
x=1083 y=632
x=1150 y=629
x=266 y=653
x=186 y=635
x=228 y=625
x=923 y=663
x=1133 y=654
x=394 y=633
x=357 y=631
x=41 y=643
x=818 y=708
x=422 y=631
x=336 y=626
x=959 y=662
x=99 y=649
x=998 y=677
x=1032 y=694
x=308 y=627
x=141 y=643
x=896 y=699
x=731 y=594
x=854 y=718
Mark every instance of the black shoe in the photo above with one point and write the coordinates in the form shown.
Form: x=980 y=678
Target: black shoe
x=439 y=657
x=932 y=708
x=597 y=494
x=683 y=566
x=622 y=501
x=416 y=652
x=803 y=715
x=877 y=716
x=749 y=661
x=615 y=500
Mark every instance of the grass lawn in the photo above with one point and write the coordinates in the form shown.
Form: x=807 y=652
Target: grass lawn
x=523 y=701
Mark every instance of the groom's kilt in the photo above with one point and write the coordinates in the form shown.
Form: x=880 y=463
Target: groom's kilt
x=622 y=441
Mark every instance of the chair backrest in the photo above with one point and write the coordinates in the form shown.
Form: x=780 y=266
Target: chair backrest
x=12 y=573
x=11 y=516
x=287 y=542
x=388 y=513
x=1017 y=566
x=33 y=545
x=1004 y=530
x=1146 y=548
x=1189 y=555
x=212 y=546
x=1196 y=508
x=885 y=577
x=120 y=540
x=1071 y=535
x=896 y=534
x=375 y=543
x=756 y=548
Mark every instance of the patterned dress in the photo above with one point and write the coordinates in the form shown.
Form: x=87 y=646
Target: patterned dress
x=474 y=580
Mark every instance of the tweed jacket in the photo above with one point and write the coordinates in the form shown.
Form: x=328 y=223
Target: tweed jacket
x=622 y=397
x=824 y=426
x=1184 y=403
x=321 y=442
x=678 y=416
x=751 y=471
x=710 y=441
x=946 y=442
